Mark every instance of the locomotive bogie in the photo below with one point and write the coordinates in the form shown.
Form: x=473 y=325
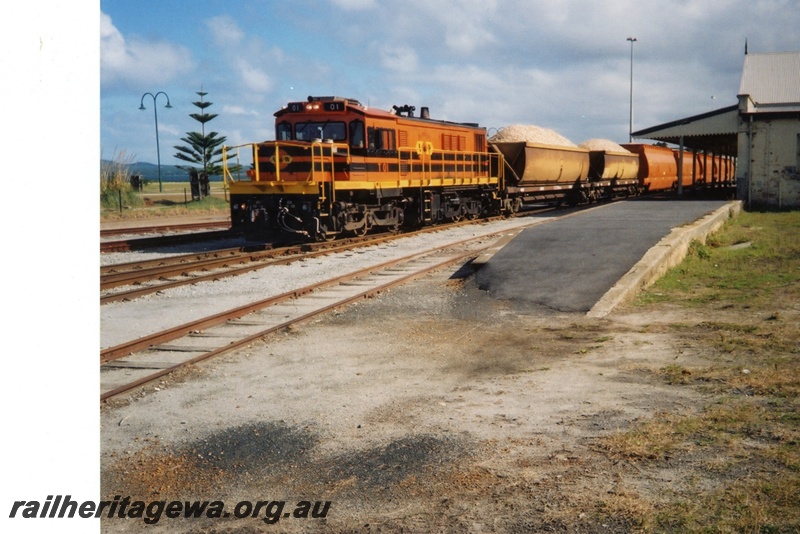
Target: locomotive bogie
x=356 y=211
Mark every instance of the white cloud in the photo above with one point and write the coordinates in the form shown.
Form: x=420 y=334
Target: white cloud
x=252 y=77
x=399 y=59
x=438 y=28
x=136 y=61
x=466 y=29
x=238 y=110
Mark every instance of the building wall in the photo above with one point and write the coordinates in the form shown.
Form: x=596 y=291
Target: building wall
x=769 y=155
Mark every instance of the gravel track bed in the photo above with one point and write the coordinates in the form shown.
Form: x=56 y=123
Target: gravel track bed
x=124 y=321
x=115 y=258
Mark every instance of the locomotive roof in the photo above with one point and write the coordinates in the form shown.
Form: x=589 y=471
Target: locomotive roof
x=356 y=106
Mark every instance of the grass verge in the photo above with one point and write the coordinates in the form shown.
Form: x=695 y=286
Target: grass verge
x=175 y=199
x=743 y=446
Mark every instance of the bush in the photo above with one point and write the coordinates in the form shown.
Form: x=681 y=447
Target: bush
x=115 y=184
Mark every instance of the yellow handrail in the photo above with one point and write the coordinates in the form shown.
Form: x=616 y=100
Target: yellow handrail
x=321 y=158
x=466 y=164
x=226 y=172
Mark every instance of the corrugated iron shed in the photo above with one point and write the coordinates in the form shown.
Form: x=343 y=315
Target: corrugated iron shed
x=771 y=82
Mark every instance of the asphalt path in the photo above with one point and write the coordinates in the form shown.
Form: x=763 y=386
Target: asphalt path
x=569 y=264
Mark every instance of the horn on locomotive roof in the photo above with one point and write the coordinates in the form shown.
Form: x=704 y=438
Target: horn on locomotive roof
x=408 y=110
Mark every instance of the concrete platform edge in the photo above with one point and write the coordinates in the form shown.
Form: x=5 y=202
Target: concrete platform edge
x=667 y=253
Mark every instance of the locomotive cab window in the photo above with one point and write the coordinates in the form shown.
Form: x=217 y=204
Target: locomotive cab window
x=381 y=140
x=356 y=134
x=308 y=131
x=283 y=131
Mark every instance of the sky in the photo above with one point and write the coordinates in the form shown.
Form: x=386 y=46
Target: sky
x=564 y=65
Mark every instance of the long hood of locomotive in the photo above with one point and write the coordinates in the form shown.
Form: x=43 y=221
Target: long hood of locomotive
x=299 y=167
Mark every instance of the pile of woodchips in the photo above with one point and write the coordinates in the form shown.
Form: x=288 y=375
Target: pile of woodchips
x=530 y=134
x=602 y=144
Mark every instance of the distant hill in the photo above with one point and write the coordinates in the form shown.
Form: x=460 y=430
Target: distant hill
x=149 y=171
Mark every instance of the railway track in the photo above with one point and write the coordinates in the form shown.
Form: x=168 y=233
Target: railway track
x=132 y=280
x=157 y=229
x=135 y=363
x=130 y=364
x=156 y=275
x=146 y=243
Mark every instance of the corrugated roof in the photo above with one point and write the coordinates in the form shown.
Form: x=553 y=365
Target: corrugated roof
x=707 y=130
x=771 y=79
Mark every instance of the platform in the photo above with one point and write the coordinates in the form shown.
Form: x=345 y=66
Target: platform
x=570 y=264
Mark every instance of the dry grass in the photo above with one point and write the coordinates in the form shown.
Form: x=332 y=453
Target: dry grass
x=174 y=200
x=115 y=189
x=744 y=444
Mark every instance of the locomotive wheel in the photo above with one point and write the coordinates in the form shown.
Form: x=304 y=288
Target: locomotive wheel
x=362 y=231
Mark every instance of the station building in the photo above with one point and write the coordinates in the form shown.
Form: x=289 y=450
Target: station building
x=762 y=132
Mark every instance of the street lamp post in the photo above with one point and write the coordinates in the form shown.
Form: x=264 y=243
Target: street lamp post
x=630 y=124
x=155 y=113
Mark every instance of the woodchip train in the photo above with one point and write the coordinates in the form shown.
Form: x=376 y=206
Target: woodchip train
x=337 y=167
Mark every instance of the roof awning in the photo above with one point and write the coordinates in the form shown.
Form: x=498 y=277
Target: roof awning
x=714 y=131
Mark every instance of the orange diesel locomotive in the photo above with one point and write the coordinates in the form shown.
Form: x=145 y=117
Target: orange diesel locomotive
x=338 y=167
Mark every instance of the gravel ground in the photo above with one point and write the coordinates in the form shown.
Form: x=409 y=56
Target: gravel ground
x=430 y=408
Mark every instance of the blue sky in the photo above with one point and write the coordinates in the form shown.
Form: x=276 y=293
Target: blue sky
x=564 y=64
